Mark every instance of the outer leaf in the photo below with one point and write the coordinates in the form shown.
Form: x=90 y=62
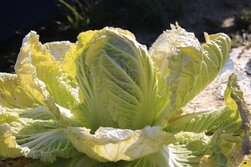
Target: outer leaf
x=215 y=54
x=34 y=55
x=58 y=49
x=169 y=156
x=55 y=91
x=109 y=144
x=185 y=66
x=206 y=121
x=37 y=139
x=8 y=115
x=234 y=98
x=69 y=64
x=12 y=94
x=77 y=161
x=117 y=80
x=177 y=56
x=40 y=113
x=8 y=145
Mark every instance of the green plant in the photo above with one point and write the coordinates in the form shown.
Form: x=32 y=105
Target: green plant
x=135 y=15
x=107 y=101
x=77 y=17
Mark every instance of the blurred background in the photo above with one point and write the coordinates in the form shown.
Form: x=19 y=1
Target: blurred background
x=64 y=19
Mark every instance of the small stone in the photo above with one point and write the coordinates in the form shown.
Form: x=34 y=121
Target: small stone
x=248 y=67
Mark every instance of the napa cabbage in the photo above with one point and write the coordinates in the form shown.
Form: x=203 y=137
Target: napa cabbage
x=107 y=100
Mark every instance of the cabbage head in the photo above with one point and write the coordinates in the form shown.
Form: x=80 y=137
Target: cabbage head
x=108 y=101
